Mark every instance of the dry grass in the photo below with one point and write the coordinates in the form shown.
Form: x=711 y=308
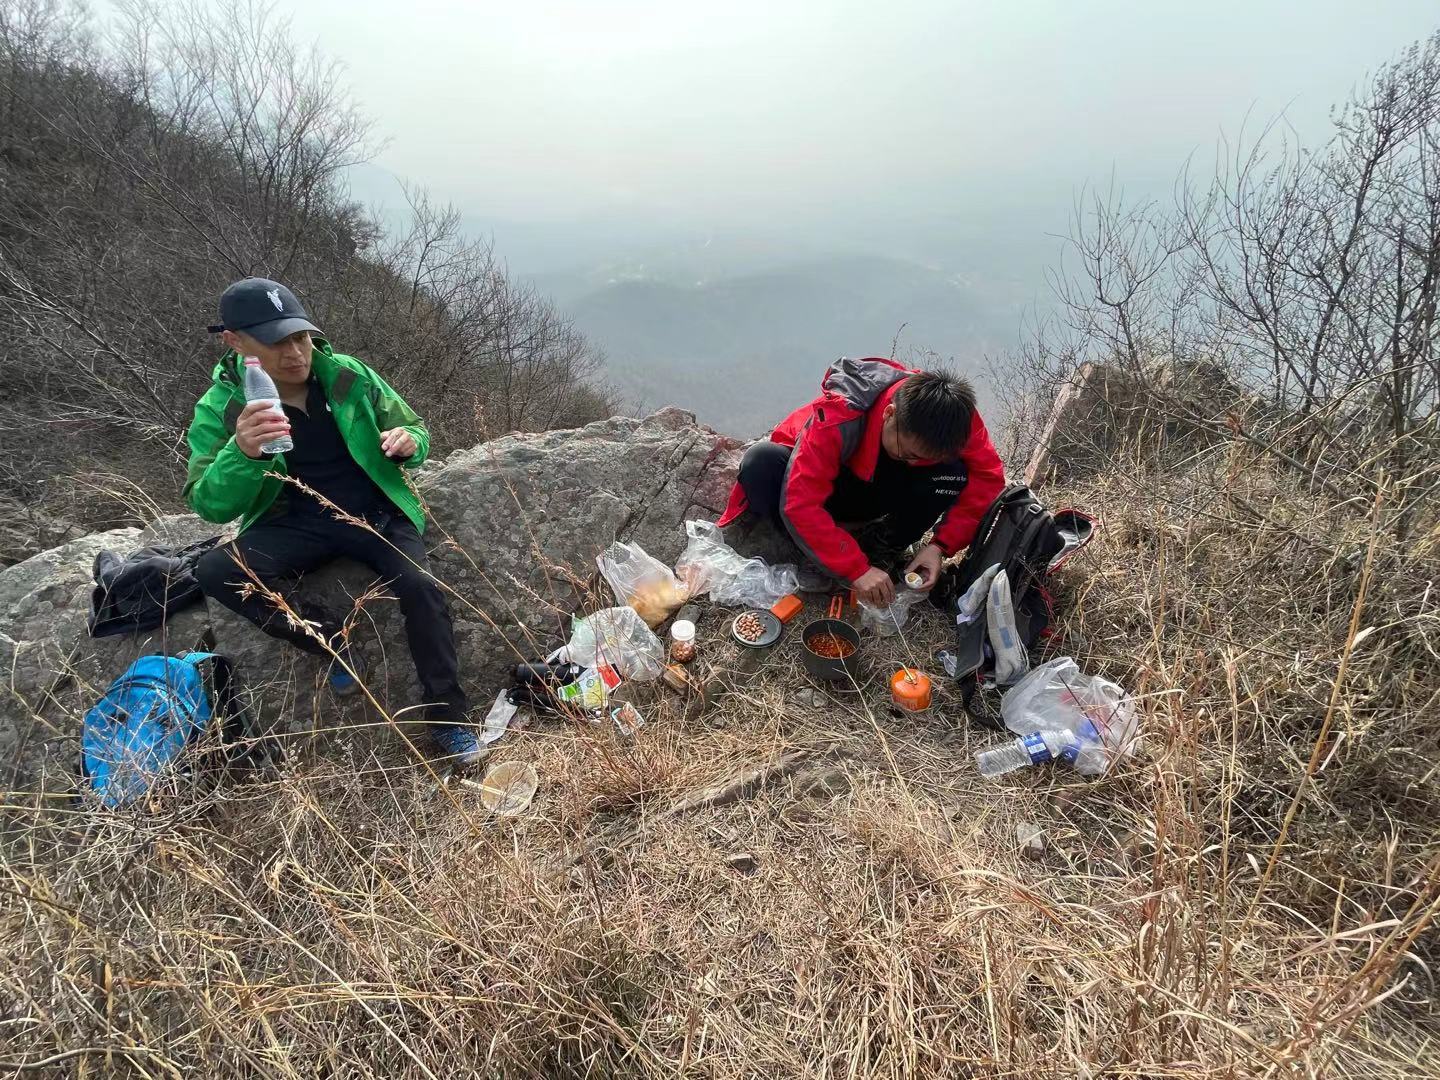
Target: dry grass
x=351 y=919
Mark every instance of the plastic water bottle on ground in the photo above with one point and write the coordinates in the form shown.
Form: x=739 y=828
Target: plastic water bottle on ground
x=260 y=387
x=1034 y=749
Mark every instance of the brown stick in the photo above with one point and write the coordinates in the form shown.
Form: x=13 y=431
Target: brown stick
x=745 y=785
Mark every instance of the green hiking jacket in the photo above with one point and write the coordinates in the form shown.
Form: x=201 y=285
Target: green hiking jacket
x=223 y=483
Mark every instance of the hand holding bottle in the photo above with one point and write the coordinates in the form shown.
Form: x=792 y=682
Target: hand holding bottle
x=260 y=424
x=269 y=423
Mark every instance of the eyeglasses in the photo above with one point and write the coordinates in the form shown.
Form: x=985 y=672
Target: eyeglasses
x=906 y=450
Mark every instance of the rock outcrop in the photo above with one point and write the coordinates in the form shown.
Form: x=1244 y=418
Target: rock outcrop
x=516 y=524
x=1169 y=409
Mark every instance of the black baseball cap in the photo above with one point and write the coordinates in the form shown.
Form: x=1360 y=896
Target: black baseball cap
x=264 y=309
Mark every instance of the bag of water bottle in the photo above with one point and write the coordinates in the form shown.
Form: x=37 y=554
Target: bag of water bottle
x=1092 y=719
x=1059 y=713
x=1058 y=695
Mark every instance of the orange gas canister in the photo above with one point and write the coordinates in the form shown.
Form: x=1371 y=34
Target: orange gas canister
x=910 y=690
x=787 y=607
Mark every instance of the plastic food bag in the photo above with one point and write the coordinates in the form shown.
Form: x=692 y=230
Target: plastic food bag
x=627 y=718
x=590 y=690
x=707 y=560
x=1058 y=697
x=498 y=718
x=1011 y=659
x=888 y=621
x=708 y=564
x=617 y=636
x=643 y=582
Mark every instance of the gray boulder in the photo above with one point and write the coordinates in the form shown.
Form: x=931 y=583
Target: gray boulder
x=515 y=526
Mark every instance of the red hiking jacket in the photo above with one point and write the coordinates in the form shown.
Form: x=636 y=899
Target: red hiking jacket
x=841 y=429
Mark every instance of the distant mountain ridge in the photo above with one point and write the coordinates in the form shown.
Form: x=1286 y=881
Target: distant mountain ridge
x=741 y=350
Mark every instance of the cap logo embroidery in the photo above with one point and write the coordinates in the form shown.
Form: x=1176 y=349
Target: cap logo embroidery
x=274 y=295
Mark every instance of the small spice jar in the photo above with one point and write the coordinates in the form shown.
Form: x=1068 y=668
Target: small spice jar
x=682 y=641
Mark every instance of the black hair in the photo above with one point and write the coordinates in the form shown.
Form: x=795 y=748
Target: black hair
x=935 y=407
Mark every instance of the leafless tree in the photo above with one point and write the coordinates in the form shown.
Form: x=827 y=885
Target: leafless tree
x=488 y=356
x=1288 y=302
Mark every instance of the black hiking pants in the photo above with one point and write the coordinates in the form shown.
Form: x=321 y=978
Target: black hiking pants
x=281 y=550
x=893 y=510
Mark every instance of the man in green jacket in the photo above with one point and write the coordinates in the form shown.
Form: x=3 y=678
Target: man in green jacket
x=353 y=436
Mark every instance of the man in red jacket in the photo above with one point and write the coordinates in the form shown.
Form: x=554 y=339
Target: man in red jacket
x=899 y=450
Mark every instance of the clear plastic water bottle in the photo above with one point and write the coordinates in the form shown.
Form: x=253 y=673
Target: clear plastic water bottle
x=260 y=387
x=1034 y=749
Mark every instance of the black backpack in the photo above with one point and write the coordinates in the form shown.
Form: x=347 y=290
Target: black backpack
x=1028 y=542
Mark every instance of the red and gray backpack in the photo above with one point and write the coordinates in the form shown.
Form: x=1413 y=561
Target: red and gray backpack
x=1021 y=537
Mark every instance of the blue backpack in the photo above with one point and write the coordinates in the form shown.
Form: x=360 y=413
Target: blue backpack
x=140 y=730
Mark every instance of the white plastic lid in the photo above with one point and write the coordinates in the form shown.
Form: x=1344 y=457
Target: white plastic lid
x=682 y=630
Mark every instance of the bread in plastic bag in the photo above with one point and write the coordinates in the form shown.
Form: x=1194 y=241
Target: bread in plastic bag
x=642 y=581
x=619 y=637
x=709 y=565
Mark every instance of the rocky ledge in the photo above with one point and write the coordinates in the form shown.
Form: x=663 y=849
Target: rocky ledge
x=516 y=524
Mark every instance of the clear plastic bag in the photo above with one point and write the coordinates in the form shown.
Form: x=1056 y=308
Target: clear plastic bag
x=1059 y=697
x=617 y=636
x=708 y=564
x=888 y=621
x=498 y=719
x=1011 y=659
x=642 y=581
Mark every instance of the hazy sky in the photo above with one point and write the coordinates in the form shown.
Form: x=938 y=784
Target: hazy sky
x=771 y=109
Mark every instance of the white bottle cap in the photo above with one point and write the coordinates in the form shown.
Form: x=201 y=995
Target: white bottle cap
x=683 y=630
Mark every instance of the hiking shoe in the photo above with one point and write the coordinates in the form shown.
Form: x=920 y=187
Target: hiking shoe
x=814 y=580
x=754 y=537
x=457 y=743
x=342 y=683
